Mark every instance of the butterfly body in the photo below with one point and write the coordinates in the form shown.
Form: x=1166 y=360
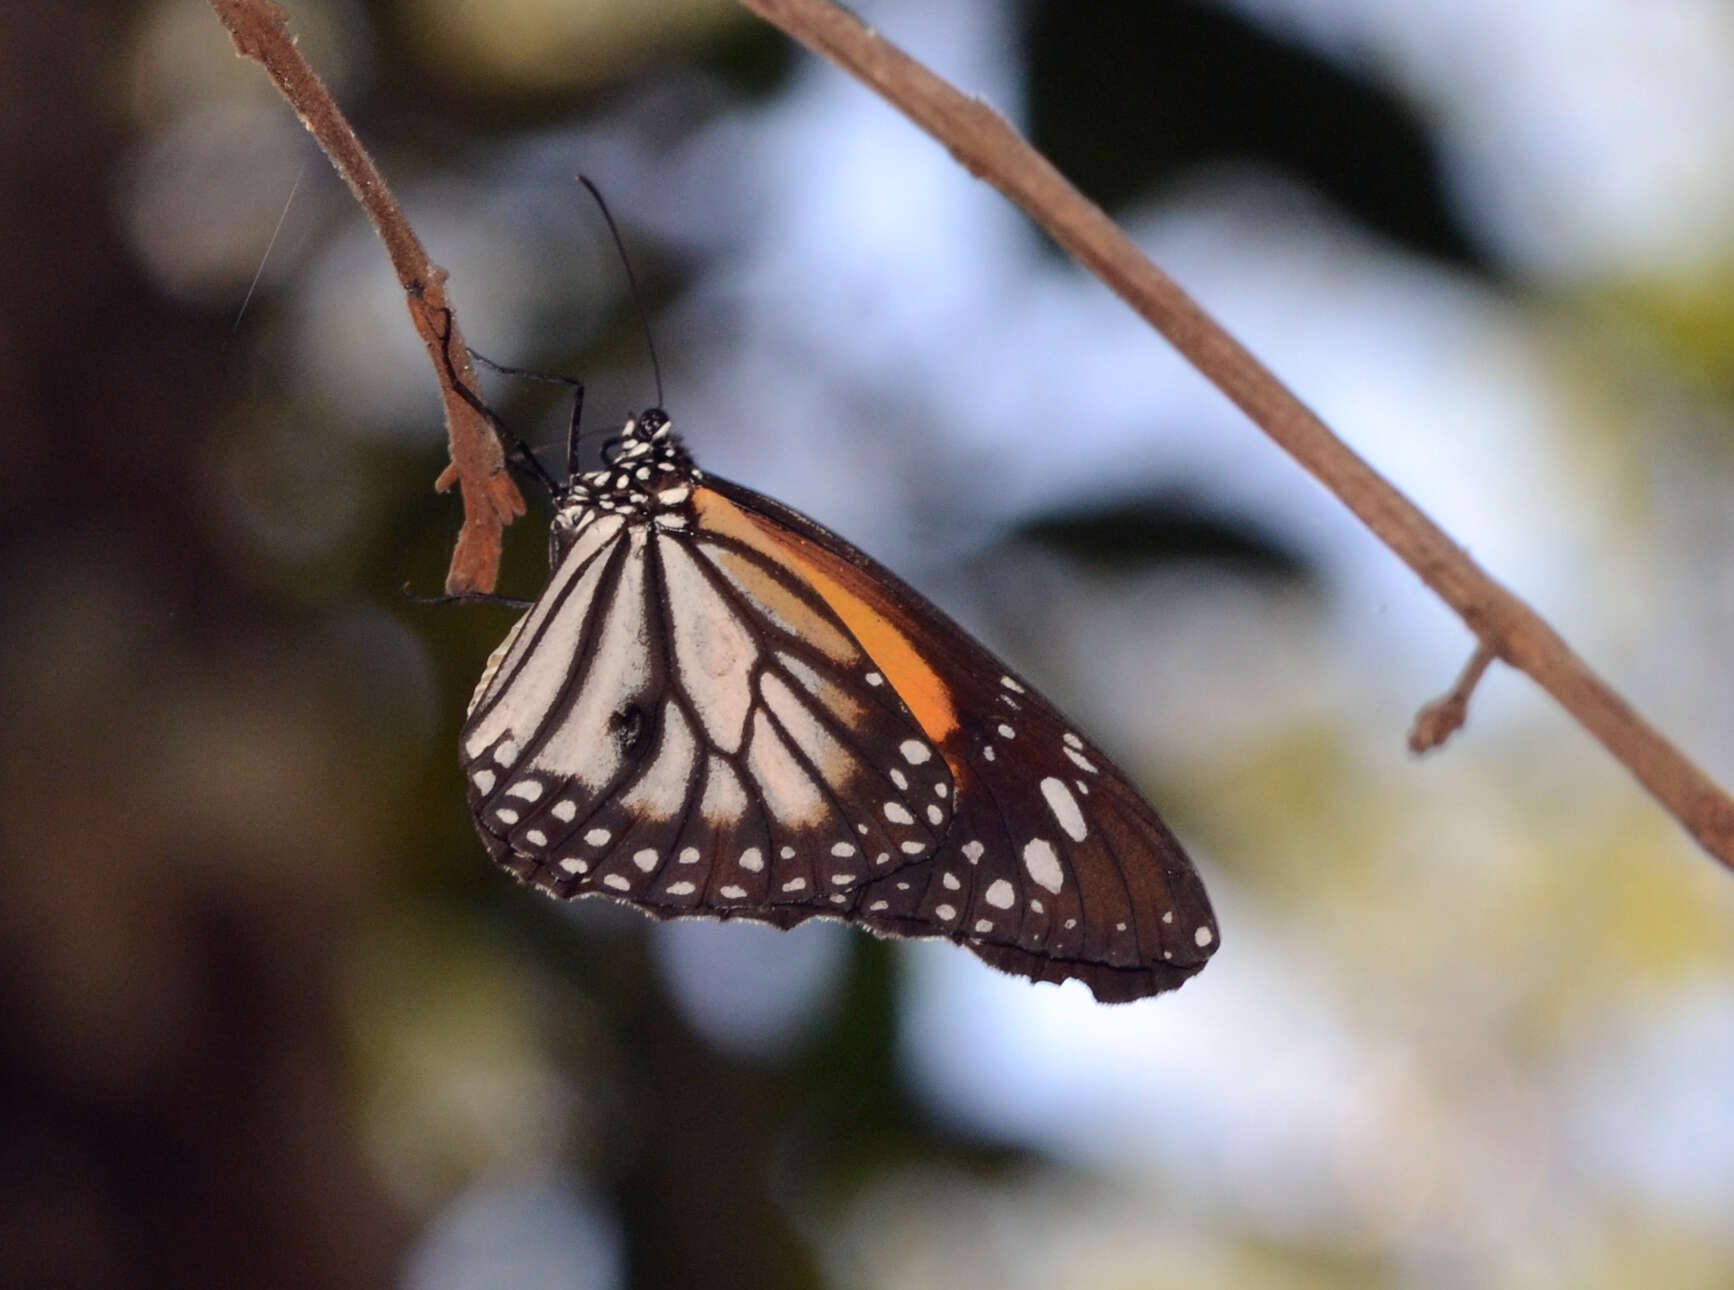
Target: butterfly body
x=717 y=707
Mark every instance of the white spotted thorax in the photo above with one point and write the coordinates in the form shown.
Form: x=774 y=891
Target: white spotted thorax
x=650 y=476
x=718 y=708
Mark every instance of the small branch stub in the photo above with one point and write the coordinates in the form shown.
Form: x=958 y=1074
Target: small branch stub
x=1443 y=717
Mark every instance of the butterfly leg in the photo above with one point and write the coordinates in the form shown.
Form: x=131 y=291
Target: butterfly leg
x=571 y=383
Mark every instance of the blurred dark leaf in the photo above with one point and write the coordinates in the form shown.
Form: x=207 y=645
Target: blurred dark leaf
x=1161 y=529
x=753 y=58
x=1186 y=84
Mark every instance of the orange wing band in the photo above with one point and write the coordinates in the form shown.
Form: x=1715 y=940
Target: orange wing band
x=854 y=598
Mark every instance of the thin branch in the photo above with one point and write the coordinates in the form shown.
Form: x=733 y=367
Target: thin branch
x=1444 y=717
x=992 y=150
x=478 y=467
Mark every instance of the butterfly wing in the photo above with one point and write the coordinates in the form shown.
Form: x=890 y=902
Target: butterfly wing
x=722 y=708
x=687 y=727
x=1052 y=865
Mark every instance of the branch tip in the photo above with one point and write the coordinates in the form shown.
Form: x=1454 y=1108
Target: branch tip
x=491 y=500
x=1443 y=717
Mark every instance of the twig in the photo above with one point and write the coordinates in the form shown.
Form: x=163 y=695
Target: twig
x=1443 y=717
x=1506 y=627
x=478 y=467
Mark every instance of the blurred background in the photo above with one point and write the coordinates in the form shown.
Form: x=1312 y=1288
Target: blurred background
x=270 y=1018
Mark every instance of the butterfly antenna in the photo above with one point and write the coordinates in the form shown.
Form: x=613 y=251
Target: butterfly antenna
x=632 y=280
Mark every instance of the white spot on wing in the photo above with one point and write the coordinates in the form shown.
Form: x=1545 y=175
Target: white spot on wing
x=898 y=813
x=1202 y=937
x=1080 y=761
x=564 y=811
x=972 y=852
x=598 y=837
x=1043 y=864
x=1065 y=808
x=528 y=789
x=795 y=884
x=1000 y=894
x=752 y=861
x=984 y=924
x=944 y=912
x=617 y=882
x=732 y=892
x=645 y=859
x=483 y=780
x=681 y=889
x=1011 y=685
x=915 y=752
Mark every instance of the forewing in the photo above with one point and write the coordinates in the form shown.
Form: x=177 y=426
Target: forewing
x=1052 y=865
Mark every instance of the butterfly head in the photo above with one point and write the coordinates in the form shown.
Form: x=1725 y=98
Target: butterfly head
x=647 y=475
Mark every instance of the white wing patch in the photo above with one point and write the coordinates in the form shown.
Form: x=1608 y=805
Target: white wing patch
x=582 y=746
x=537 y=665
x=789 y=791
x=662 y=787
x=712 y=648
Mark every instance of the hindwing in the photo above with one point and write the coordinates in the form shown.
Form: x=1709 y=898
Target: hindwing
x=1053 y=866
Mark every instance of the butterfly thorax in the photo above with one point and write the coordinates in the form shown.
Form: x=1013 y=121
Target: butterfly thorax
x=649 y=476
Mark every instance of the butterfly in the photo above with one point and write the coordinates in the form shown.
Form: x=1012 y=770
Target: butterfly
x=717 y=707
